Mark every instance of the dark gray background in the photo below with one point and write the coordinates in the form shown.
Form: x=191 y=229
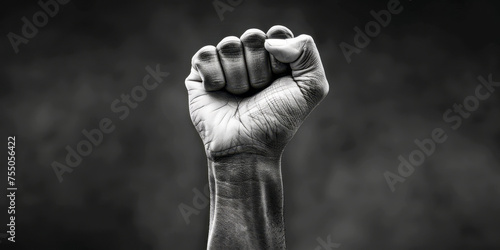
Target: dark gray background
x=126 y=194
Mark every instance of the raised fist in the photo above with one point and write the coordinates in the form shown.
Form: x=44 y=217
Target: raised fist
x=250 y=94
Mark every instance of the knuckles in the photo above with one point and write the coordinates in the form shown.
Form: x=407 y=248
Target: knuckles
x=230 y=47
x=206 y=54
x=233 y=48
x=253 y=39
x=279 y=31
x=308 y=41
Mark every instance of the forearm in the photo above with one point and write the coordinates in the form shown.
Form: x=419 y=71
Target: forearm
x=242 y=100
x=247 y=203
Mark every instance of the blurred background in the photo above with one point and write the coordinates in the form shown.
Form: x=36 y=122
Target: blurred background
x=126 y=193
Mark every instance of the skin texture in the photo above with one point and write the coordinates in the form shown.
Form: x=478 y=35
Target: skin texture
x=247 y=98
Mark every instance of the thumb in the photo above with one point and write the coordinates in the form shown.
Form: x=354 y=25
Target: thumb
x=304 y=59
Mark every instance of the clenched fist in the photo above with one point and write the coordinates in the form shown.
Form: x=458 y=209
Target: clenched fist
x=250 y=94
x=247 y=98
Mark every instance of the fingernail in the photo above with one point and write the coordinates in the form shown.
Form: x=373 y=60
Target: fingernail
x=276 y=42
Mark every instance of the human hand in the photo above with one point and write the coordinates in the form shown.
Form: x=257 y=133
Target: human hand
x=250 y=94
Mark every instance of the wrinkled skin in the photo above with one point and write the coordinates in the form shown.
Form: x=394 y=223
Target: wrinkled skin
x=248 y=96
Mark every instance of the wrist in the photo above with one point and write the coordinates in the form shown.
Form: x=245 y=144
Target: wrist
x=218 y=153
x=248 y=196
x=244 y=169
